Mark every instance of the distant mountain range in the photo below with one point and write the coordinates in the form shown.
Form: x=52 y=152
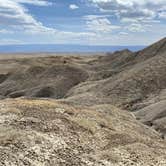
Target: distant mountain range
x=63 y=48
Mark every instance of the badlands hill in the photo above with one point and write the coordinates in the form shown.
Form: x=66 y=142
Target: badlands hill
x=84 y=110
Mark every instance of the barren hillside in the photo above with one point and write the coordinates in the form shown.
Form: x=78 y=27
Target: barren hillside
x=48 y=132
x=84 y=110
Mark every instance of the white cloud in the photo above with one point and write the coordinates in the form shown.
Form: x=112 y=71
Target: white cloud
x=133 y=9
x=8 y=41
x=99 y=24
x=34 y=2
x=91 y=17
x=135 y=27
x=129 y=20
x=5 y=31
x=73 y=6
x=162 y=15
x=133 y=16
x=123 y=33
x=14 y=15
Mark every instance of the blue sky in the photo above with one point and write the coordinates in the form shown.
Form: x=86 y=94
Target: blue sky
x=84 y=22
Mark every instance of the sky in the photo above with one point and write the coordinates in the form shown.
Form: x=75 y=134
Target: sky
x=82 y=22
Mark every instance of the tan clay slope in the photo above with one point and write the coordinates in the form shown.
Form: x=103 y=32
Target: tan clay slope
x=136 y=84
x=124 y=79
x=133 y=83
x=47 y=132
x=113 y=63
x=153 y=112
x=40 y=77
x=155 y=49
x=154 y=115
